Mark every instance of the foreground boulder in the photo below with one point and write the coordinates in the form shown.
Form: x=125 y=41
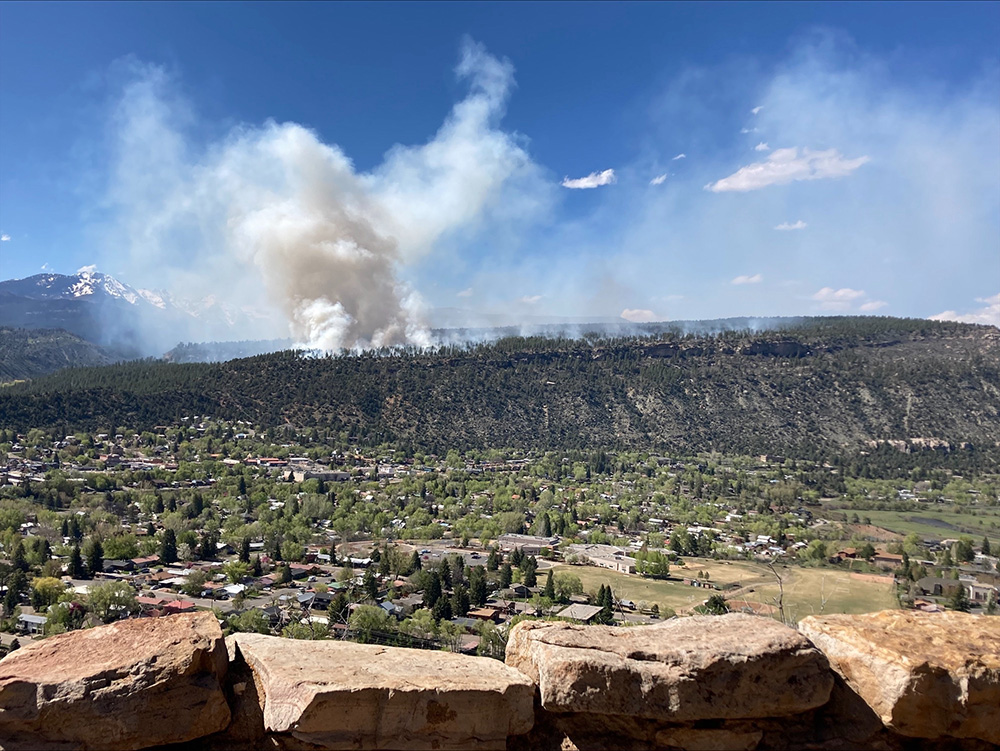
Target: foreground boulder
x=700 y=668
x=340 y=695
x=129 y=685
x=927 y=675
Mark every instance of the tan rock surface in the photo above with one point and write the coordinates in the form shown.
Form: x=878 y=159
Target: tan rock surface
x=129 y=685
x=926 y=675
x=340 y=695
x=705 y=667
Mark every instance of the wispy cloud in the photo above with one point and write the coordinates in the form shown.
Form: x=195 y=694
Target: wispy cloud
x=989 y=315
x=593 y=180
x=756 y=110
x=838 y=299
x=46 y=267
x=679 y=156
x=761 y=147
x=785 y=226
x=529 y=299
x=786 y=166
x=659 y=179
x=747 y=279
x=748 y=130
x=872 y=306
x=89 y=269
x=4 y=238
x=465 y=293
x=640 y=315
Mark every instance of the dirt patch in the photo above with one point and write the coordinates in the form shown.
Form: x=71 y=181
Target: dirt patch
x=871 y=532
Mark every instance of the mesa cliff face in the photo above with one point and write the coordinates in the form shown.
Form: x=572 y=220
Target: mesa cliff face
x=891 y=680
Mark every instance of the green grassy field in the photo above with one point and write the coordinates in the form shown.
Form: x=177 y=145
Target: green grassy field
x=806 y=591
x=939 y=524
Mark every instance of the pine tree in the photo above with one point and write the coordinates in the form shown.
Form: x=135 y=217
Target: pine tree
x=370 y=584
x=432 y=593
x=506 y=576
x=550 y=588
x=75 y=566
x=985 y=546
x=95 y=558
x=168 y=546
x=493 y=560
x=245 y=550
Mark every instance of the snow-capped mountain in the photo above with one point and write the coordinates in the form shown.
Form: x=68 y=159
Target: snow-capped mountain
x=86 y=283
x=106 y=311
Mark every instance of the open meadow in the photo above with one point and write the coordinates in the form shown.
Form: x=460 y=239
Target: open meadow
x=943 y=523
x=807 y=591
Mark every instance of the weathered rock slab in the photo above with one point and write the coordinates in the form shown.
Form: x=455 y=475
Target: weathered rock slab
x=927 y=675
x=705 y=667
x=340 y=695
x=129 y=685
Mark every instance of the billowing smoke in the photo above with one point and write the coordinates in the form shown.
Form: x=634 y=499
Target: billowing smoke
x=272 y=218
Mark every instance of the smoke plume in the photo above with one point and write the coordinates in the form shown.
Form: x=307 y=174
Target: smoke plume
x=271 y=217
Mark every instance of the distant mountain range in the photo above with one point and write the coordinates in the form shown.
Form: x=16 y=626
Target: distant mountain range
x=130 y=322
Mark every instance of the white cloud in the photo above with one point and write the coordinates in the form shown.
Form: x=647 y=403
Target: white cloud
x=659 y=179
x=756 y=110
x=746 y=279
x=679 y=156
x=748 y=130
x=465 y=293
x=5 y=238
x=785 y=226
x=838 y=299
x=92 y=268
x=873 y=305
x=786 y=166
x=46 y=267
x=988 y=315
x=640 y=315
x=529 y=299
x=761 y=147
x=593 y=180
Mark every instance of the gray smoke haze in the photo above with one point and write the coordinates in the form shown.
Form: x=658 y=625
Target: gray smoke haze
x=273 y=223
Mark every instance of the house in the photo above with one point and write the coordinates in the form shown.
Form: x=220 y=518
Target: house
x=118 y=567
x=580 y=613
x=979 y=592
x=887 y=560
x=32 y=623
x=935 y=586
x=519 y=590
x=392 y=609
x=486 y=614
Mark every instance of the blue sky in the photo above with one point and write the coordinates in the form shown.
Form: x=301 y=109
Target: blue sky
x=347 y=166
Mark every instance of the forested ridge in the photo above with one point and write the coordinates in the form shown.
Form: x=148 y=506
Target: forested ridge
x=825 y=382
x=30 y=353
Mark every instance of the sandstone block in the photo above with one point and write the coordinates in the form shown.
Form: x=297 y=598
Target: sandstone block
x=340 y=695
x=927 y=675
x=705 y=667
x=128 y=685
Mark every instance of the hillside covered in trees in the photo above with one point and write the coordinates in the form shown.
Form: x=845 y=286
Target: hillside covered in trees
x=30 y=353
x=827 y=382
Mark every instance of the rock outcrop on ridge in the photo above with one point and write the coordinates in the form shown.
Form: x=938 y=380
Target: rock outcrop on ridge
x=703 y=667
x=894 y=681
x=926 y=675
x=341 y=695
x=130 y=685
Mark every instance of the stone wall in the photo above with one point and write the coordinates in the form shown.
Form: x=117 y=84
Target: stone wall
x=891 y=680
